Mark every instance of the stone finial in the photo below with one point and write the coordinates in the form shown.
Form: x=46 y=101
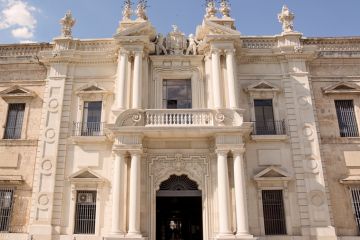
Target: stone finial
x=141 y=10
x=210 y=9
x=67 y=23
x=286 y=17
x=126 y=12
x=225 y=8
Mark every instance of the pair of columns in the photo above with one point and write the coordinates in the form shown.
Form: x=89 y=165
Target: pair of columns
x=121 y=80
x=242 y=225
x=119 y=195
x=230 y=74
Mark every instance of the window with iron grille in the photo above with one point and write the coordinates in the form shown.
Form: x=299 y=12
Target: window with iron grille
x=85 y=212
x=274 y=213
x=14 y=121
x=6 y=204
x=346 y=118
x=355 y=199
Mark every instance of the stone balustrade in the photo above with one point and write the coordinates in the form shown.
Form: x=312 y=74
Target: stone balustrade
x=177 y=117
x=259 y=43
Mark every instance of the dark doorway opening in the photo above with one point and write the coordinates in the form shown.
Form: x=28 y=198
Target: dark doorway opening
x=179 y=210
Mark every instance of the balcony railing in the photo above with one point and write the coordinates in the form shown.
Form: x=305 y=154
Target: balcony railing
x=88 y=129
x=269 y=128
x=179 y=117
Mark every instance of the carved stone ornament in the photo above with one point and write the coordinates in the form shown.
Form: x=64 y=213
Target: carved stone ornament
x=225 y=8
x=176 y=42
x=210 y=9
x=141 y=10
x=127 y=10
x=286 y=17
x=67 y=23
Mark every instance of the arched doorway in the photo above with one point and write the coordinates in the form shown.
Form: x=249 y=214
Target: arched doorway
x=179 y=210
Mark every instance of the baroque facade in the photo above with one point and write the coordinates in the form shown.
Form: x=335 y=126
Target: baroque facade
x=214 y=136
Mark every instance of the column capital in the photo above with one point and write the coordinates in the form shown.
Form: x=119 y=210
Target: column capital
x=124 y=51
x=120 y=152
x=136 y=152
x=222 y=152
x=238 y=151
x=230 y=51
x=215 y=50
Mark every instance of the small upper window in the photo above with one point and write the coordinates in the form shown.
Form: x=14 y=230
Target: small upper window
x=177 y=94
x=91 y=125
x=14 y=121
x=346 y=118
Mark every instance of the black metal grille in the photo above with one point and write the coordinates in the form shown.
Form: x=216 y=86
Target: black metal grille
x=355 y=198
x=274 y=214
x=346 y=118
x=6 y=204
x=14 y=121
x=88 y=129
x=85 y=212
x=269 y=128
x=178 y=183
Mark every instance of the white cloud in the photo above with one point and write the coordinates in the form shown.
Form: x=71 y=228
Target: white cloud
x=18 y=15
x=22 y=32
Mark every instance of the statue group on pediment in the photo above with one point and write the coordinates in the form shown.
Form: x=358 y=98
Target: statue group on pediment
x=176 y=43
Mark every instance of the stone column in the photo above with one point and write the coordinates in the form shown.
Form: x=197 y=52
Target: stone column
x=216 y=84
x=231 y=77
x=118 y=196
x=134 y=194
x=223 y=193
x=242 y=224
x=137 y=80
x=120 y=95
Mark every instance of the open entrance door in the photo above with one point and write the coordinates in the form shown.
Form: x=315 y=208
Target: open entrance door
x=179 y=210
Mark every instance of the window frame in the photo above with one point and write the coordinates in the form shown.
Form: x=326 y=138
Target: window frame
x=12 y=189
x=355 y=116
x=4 y=137
x=94 y=192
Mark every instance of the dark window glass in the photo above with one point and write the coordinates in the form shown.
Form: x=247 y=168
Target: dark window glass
x=91 y=125
x=355 y=198
x=264 y=117
x=177 y=94
x=6 y=203
x=14 y=121
x=85 y=212
x=274 y=214
x=346 y=118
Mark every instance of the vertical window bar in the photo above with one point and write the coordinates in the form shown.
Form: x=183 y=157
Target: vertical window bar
x=85 y=212
x=6 y=204
x=14 y=121
x=355 y=200
x=274 y=213
x=346 y=118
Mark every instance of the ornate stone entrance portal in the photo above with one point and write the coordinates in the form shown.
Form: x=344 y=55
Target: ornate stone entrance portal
x=179 y=210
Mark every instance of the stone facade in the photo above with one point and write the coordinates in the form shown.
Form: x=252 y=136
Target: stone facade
x=138 y=143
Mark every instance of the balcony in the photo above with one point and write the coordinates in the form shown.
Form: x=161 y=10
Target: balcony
x=88 y=129
x=269 y=128
x=179 y=118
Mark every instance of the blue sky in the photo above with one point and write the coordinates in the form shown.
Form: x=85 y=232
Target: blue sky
x=38 y=20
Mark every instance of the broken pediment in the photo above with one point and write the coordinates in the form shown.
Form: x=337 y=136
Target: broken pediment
x=272 y=174
x=342 y=87
x=132 y=28
x=262 y=86
x=225 y=28
x=86 y=175
x=17 y=92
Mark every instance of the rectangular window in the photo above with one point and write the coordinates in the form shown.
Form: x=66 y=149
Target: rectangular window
x=346 y=118
x=6 y=203
x=264 y=117
x=177 y=94
x=355 y=198
x=91 y=125
x=85 y=212
x=14 y=121
x=274 y=213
